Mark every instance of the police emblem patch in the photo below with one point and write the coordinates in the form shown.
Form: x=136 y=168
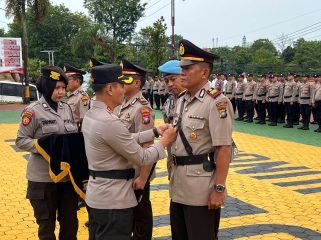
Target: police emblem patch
x=145 y=116
x=181 y=49
x=26 y=118
x=221 y=107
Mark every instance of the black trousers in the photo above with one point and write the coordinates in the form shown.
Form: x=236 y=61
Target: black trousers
x=157 y=100
x=296 y=112
x=249 y=109
x=194 y=223
x=281 y=112
x=49 y=200
x=240 y=104
x=146 y=95
x=273 y=111
x=256 y=107
x=163 y=99
x=151 y=99
x=318 y=112
x=289 y=113
x=110 y=224
x=305 y=111
x=233 y=104
x=143 y=217
x=261 y=106
x=314 y=114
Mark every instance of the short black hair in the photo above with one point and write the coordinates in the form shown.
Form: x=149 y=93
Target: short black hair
x=79 y=77
x=97 y=88
x=209 y=66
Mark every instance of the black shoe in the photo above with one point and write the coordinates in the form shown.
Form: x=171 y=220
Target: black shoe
x=287 y=126
x=301 y=127
x=318 y=130
x=305 y=128
x=239 y=119
x=250 y=121
x=272 y=124
x=257 y=118
x=258 y=122
x=313 y=122
x=281 y=121
x=296 y=123
x=262 y=123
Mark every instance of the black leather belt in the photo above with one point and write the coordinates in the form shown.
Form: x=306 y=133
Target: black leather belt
x=261 y=95
x=249 y=95
x=189 y=160
x=274 y=96
x=296 y=95
x=114 y=174
x=229 y=93
x=287 y=96
x=238 y=93
x=304 y=97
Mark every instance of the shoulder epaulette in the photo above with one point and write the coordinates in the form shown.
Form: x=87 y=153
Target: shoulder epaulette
x=181 y=94
x=214 y=92
x=142 y=100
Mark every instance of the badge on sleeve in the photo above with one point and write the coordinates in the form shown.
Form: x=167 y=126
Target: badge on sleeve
x=26 y=117
x=221 y=108
x=85 y=100
x=145 y=116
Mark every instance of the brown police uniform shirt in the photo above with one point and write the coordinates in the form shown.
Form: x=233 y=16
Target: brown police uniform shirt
x=275 y=92
x=138 y=116
x=295 y=95
x=206 y=123
x=110 y=146
x=230 y=89
x=162 y=88
x=240 y=88
x=169 y=108
x=249 y=90
x=317 y=93
x=78 y=100
x=39 y=120
x=156 y=87
x=289 y=88
x=261 y=91
x=305 y=93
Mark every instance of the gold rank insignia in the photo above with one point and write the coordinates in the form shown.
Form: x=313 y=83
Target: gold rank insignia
x=181 y=49
x=91 y=64
x=193 y=136
x=221 y=107
x=54 y=75
x=127 y=115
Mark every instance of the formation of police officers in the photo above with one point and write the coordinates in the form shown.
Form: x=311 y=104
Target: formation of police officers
x=279 y=98
x=118 y=131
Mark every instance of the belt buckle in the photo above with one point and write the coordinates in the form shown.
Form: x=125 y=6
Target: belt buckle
x=174 y=159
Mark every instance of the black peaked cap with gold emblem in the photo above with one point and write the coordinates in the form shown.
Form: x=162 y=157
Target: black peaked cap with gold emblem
x=54 y=73
x=191 y=54
x=93 y=62
x=70 y=70
x=132 y=69
x=107 y=73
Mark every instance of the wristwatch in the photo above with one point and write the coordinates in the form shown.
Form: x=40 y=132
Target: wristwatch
x=155 y=132
x=219 y=188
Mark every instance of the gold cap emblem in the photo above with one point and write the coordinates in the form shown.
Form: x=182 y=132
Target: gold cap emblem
x=181 y=49
x=54 y=75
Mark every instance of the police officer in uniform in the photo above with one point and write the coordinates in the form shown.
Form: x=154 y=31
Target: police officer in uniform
x=230 y=90
x=274 y=97
x=248 y=97
x=138 y=116
x=162 y=91
x=156 y=87
x=151 y=92
x=240 y=104
x=78 y=99
x=260 y=99
x=204 y=121
x=281 y=108
x=305 y=100
x=50 y=201
x=316 y=103
x=111 y=152
x=289 y=88
x=295 y=100
x=146 y=89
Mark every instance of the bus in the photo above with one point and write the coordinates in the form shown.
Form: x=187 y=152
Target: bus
x=13 y=92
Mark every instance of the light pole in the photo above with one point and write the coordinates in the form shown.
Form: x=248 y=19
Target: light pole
x=50 y=56
x=173 y=26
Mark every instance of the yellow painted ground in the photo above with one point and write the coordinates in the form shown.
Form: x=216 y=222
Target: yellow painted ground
x=283 y=205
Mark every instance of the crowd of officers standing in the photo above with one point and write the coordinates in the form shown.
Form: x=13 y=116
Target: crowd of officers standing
x=118 y=130
x=276 y=98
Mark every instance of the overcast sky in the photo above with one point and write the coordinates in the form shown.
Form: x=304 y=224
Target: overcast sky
x=201 y=21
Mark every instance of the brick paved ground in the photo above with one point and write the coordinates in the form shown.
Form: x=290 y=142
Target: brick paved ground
x=274 y=188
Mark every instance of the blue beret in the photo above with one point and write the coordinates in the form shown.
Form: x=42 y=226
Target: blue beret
x=170 y=67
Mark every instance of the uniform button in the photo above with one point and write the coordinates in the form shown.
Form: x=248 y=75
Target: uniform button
x=186 y=109
x=198 y=172
x=175 y=147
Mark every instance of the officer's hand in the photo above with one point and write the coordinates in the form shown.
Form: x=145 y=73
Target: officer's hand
x=169 y=136
x=162 y=128
x=139 y=183
x=216 y=200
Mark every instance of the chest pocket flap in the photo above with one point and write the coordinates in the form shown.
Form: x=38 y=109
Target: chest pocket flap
x=50 y=128
x=70 y=127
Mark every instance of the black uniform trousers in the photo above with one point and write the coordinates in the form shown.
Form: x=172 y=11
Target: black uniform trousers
x=163 y=98
x=143 y=217
x=318 y=112
x=49 y=199
x=249 y=109
x=110 y=223
x=233 y=104
x=305 y=111
x=146 y=94
x=281 y=112
x=314 y=114
x=151 y=98
x=194 y=222
x=296 y=112
x=256 y=107
x=240 y=104
x=289 y=113
x=273 y=112
x=261 y=106
x=157 y=100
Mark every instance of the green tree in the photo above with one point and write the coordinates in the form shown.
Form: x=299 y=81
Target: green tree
x=308 y=56
x=117 y=16
x=2 y=32
x=265 y=61
x=288 y=54
x=263 y=44
x=154 y=43
x=17 y=9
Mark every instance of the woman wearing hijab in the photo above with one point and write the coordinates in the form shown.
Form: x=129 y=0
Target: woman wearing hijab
x=50 y=201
